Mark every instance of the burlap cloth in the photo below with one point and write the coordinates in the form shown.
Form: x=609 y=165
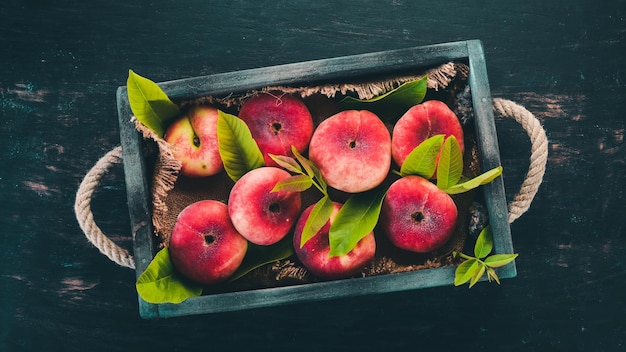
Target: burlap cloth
x=172 y=192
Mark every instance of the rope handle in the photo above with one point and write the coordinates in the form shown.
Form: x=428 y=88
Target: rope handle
x=538 y=154
x=518 y=206
x=82 y=208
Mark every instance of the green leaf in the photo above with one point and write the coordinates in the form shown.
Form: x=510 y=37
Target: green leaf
x=356 y=218
x=321 y=212
x=319 y=178
x=297 y=183
x=450 y=166
x=394 y=103
x=422 y=161
x=484 y=243
x=478 y=274
x=288 y=163
x=257 y=256
x=161 y=283
x=498 y=260
x=465 y=271
x=150 y=105
x=477 y=181
x=238 y=150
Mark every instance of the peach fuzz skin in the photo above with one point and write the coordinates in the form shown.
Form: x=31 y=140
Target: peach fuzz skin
x=420 y=122
x=314 y=253
x=261 y=216
x=352 y=149
x=193 y=138
x=277 y=122
x=204 y=246
x=417 y=216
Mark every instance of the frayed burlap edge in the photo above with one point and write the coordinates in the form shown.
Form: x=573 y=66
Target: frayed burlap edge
x=166 y=171
x=439 y=77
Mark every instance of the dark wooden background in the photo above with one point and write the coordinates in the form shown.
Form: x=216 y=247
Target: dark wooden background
x=61 y=62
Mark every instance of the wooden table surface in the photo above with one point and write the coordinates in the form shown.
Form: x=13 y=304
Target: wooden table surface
x=60 y=66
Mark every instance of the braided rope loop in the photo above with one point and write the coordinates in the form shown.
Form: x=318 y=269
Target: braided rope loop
x=538 y=156
x=82 y=209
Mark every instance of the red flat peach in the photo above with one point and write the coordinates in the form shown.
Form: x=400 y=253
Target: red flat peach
x=417 y=216
x=277 y=122
x=204 y=246
x=352 y=149
x=421 y=122
x=261 y=216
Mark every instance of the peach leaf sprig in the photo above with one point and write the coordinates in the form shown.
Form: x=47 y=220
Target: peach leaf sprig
x=422 y=161
x=474 y=267
x=356 y=218
x=307 y=174
x=149 y=103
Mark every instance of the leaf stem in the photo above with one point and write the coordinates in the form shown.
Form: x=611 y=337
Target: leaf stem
x=465 y=256
x=319 y=186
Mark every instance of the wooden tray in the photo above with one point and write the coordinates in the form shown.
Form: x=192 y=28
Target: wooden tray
x=137 y=171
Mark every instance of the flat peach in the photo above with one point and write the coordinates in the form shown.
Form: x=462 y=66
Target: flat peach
x=352 y=149
x=421 y=122
x=205 y=246
x=277 y=121
x=261 y=216
x=417 y=216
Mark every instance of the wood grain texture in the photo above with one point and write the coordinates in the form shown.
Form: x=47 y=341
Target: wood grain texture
x=61 y=64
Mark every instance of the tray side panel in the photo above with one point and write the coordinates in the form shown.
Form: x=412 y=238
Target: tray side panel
x=311 y=292
x=490 y=154
x=137 y=193
x=307 y=73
